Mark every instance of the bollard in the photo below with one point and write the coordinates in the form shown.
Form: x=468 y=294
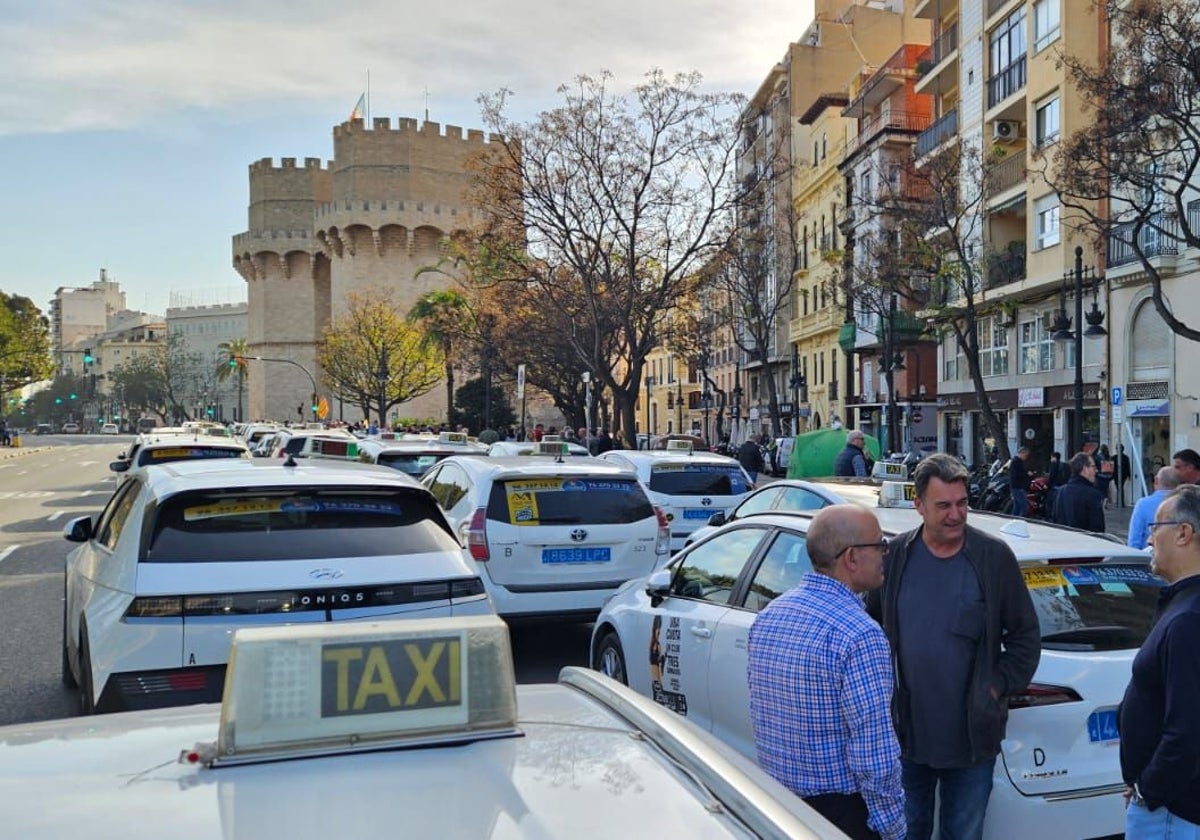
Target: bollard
x=15 y=440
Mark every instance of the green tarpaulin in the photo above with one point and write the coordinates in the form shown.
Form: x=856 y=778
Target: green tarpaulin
x=814 y=453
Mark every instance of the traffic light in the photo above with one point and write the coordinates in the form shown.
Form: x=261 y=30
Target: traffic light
x=233 y=362
x=74 y=396
x=87 y=356
x=314 y=404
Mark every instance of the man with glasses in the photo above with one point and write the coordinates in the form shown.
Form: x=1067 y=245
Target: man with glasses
x=1078 y=503
x=960 y=619
x=1160 y=731
x=820 y=678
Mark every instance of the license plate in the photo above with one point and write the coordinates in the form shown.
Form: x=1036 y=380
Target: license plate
x=699 y=513
x=576 y=555
x=1102 y=726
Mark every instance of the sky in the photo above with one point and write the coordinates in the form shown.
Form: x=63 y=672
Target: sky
x=127 y=126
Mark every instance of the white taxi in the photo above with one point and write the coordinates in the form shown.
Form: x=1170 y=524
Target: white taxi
x=415 y=457
x=688 y=486
x=679 y=637
x=168 y=445
x=553 y=536
x=184 y=554
x=355 y=730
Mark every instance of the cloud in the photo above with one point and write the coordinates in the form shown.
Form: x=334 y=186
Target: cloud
x=121 y=64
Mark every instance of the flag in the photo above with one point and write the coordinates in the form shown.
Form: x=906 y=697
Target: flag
x=359 y=108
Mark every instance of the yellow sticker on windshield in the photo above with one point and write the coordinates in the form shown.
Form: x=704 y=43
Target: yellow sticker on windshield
x=522 y=508
x=533 y=485
x=234 y=508
x=1040 y=577
x=169 y=453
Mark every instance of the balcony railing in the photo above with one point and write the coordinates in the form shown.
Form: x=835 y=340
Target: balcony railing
x=872 y=127
x=945 y=44
x=1159 y=237
x=1007 y=82
x=1006 y=266
x=1007 y=174
x=938 y=133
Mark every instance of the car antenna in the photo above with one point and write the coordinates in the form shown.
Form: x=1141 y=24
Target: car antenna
x=291 y=461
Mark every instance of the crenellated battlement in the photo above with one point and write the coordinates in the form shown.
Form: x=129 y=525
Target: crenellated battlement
x=407 y=127
x=389 y=208
x=287 y=164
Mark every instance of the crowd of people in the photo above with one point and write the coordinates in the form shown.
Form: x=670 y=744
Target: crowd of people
x=879 y=686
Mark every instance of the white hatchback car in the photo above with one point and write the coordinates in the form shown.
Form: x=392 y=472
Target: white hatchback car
x=184 y=554
x=688 y=486
x=679 y=636
x=553 y=537
x=166 y=446
x=415 y=457
x=322 y=724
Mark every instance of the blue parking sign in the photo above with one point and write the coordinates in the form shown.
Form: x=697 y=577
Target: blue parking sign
x=1118 y=397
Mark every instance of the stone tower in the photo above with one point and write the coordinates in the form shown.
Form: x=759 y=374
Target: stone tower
x=377 y=214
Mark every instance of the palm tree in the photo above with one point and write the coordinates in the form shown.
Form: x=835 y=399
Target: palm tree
x=441 y=315
x=232 y=361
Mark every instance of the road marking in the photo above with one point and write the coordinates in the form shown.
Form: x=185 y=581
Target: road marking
x=87 y=463
x=55 y=515
x=26 y=494
x=7 y=551
x=23 y=472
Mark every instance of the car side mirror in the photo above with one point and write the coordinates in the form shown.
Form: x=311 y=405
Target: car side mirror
x=118 y=466
x=717 y=518
x=658 y=586
x=79 y=529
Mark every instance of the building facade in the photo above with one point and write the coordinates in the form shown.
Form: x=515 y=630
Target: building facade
x=204 y=333
x=372 y=217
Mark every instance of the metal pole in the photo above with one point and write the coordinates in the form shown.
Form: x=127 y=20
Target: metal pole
x=1077 y=420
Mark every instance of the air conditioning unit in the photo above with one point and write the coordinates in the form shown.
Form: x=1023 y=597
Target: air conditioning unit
x=814 y=35
x=1005 y=131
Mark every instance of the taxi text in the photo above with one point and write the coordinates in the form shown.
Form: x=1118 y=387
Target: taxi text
x=391 y=675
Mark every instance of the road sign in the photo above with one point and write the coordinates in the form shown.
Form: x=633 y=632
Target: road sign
x=1118 y=396
x=520 y=382
x=917 y=416
x=322 y=408
x=1117 y=414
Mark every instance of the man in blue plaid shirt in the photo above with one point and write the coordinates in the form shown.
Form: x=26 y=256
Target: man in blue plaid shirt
x=820 y=677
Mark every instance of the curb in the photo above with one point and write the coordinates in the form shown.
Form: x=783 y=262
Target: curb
x=8 y=452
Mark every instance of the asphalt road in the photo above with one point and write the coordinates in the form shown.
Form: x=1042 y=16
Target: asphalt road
x=56 y=478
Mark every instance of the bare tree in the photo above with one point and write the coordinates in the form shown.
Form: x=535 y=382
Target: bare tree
x=1132 y=177
x=618 y=201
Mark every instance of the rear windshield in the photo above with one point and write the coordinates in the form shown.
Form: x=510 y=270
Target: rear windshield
x=296 y=525
x=1106 y=606
x=566 y=501
x=186 y=452
x=698 y=479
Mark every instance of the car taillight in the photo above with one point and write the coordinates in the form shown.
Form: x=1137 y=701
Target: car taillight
x=155 y=607
x=466 y=588
x=477 y=535
x=662 y=543
x=1040 y=694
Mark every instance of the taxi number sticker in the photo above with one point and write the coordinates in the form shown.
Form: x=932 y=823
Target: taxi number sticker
x=392 y=675
x=193 y=514
x=1038 y=578
x=170 y=453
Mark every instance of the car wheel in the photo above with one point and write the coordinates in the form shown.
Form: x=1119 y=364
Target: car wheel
x=610 y=659
x=68 y=676
x=87 y=703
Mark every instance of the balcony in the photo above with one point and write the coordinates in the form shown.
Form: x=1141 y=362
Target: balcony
x=1007 y=82
x=932 y=64
x=876 y=87
x=944 y=129
x=1007 y=266
x=1158 y=237
x=1007 y=174
x=815 y=323
x=892 y=121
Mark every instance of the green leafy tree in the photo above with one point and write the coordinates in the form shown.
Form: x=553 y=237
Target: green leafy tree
x=140 y=383
x=444 y=318
x=232 y=362
x=374 y=358
x=24 y=344
x=470 y=400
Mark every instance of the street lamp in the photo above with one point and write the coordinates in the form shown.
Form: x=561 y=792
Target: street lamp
x=1063 y=333
x=383 y=376
x=649 y=392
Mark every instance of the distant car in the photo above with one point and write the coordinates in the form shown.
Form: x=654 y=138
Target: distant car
x=44 y=429
x=788 y=494
x=70 y=428
x=506 y=448
x=1058 y=774
x=553 y=537
x=110 y=429
x=165 y=446
x=184 y=554
x=339 y=731
x=415 y=457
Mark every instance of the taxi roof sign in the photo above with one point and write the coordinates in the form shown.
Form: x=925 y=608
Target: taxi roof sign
x=305 y=690
x=452 y=437
x=890 y=470
x=552 y=438
x=679 y=446
x=897 y=494
x=544 y=447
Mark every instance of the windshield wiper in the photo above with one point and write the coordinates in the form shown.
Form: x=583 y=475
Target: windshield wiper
x=1081 y=633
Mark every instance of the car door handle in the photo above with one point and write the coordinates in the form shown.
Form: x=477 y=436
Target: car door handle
x=701 y=632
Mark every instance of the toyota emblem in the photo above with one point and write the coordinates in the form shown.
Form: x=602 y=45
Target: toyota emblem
x=578 y=535
x=706 y=501
x=325 y=574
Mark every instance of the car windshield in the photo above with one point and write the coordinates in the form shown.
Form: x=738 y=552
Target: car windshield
x=186 y=452
x=687 y=479
x=567 y=501
x=269 y=524
x=415 y=463
x=1100 y=606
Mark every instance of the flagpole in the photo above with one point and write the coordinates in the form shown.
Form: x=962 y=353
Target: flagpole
x=368 y=96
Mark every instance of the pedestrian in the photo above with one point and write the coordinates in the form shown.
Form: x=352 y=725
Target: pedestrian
x=1123 y=468
x=1078 y=503
x=852 y=461
x=751 y=458
x=820 y=677
x=1187 y=463
x=1057 y=474
x=1165 y=480
x=1160 y=731
x=1018 y=481
x=604 y=441
x=961 y=622
x=1105 y=467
